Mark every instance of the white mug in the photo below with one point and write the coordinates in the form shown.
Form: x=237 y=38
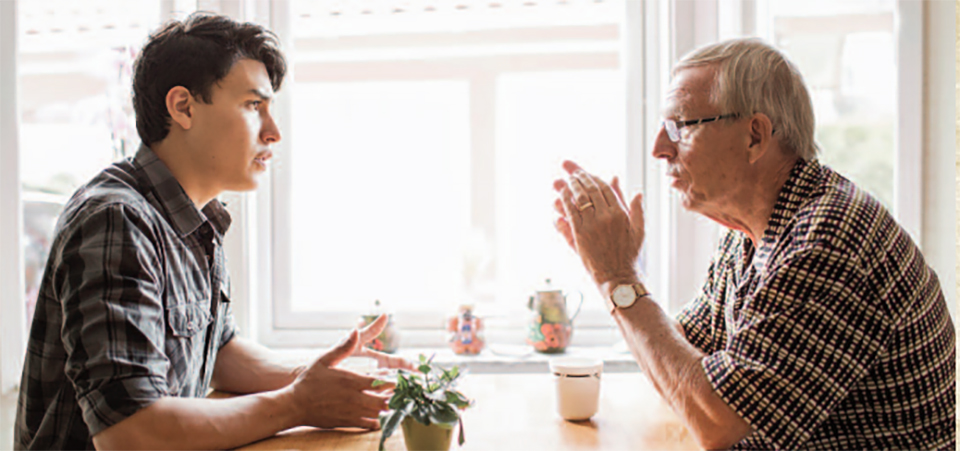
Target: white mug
x=578 y=386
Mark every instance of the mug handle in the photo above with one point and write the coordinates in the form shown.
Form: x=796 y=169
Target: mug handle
x=579 y=306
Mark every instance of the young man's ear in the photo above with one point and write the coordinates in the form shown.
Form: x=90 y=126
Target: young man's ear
x=180 y=106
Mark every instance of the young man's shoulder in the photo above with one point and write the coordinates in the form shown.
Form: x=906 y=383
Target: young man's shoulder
x=116 y=187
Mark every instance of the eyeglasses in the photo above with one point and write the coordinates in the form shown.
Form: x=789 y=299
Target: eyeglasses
x=673 y=127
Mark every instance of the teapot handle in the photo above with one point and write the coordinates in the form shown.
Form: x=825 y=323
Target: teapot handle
x=579 y=306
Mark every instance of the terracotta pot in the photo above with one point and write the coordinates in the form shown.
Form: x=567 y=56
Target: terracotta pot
x=421 y=437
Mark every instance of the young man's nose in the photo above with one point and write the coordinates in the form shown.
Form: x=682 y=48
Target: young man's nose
x=269 y=132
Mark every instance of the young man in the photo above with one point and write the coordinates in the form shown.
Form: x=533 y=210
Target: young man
x=133 y=323
x=819 y=326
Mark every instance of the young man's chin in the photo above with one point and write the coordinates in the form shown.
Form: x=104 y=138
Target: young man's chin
x=249 y=184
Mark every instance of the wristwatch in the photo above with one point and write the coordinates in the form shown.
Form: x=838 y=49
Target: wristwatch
x=624 y=296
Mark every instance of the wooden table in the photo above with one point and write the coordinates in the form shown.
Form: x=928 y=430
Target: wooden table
x=518 y=411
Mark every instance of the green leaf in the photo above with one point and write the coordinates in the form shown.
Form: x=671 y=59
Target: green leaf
x=389 y=422
x=437 y=395
x=378 y=382
x=457 y=399
x=423 y=358
x=422 y=415
x=443 y=413
x=461 y=438
x=425 y=369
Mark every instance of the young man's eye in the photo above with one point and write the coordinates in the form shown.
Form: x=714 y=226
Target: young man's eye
x=256 y=104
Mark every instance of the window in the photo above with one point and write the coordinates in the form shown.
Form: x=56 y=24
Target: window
x=847 y=54
x=76 y=115
x=421 y=139
x=422 y=151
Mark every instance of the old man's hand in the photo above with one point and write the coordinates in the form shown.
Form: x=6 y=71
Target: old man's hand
x=598 y=224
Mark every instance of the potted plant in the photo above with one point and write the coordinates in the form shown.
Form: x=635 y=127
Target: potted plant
x=427 y=405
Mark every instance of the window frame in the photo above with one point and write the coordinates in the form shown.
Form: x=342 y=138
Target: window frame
x=13 y=325
x=673 y=253
x=680 y=244
x=277 y=326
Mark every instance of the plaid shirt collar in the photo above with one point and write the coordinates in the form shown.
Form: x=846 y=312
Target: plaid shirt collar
x=181 y=211
x=804 y=179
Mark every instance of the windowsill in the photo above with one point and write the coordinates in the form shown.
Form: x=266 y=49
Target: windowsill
x=503 y=358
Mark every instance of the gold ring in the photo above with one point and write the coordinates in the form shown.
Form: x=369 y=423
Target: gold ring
x=585 y=206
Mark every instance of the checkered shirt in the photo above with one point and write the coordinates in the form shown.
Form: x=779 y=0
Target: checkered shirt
x=132 y=307
x=834 y=334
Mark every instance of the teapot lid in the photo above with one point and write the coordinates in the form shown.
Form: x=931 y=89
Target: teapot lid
x=376 y=310
x=547 y=287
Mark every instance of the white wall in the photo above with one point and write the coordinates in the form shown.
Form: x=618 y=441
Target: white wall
x=939 y=135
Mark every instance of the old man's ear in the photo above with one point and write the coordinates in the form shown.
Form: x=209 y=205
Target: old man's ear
x=761 y=136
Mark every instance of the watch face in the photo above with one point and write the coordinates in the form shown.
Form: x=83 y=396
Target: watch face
x=623 y=295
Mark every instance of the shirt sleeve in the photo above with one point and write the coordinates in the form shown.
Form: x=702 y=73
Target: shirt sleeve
x=799 y=344
x=109 y=279
x=229 y=326
x=229 y=329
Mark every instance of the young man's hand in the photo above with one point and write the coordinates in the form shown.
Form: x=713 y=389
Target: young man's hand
x=367 y=334
x=330 y=397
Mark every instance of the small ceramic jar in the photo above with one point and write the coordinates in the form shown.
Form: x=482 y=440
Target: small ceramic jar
x=466 y=332
x=578 y=386
x=389 y=339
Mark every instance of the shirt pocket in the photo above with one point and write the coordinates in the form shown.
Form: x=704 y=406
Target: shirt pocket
x=187 y=324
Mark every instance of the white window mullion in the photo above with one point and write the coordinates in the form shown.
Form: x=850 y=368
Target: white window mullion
x=241 y=244
x=688 y=240
x=908 y=167
x=13 y=321
x=273 y=288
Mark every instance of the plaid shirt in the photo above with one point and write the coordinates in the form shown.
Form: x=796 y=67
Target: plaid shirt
x=132 y=307
x=834 y=334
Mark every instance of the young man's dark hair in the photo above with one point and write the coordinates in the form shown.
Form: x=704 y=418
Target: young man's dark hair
x=215 y=43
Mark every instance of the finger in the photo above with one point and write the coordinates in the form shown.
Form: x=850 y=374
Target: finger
x=341 y=351
x=591 y=188
x=558 y=206
x=570 y=208
x=615 y=184
x=571 y=167
x=606 y=192
x=373 y=329
x=559 y=185
x=564 y=228
x=373 y=403
x=365 y=423
x=579 y=191
x=386 y=360
x=363 y=382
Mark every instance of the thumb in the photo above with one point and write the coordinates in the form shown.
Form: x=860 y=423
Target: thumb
x=615 y=184
x=341 y=351
x=636 y=215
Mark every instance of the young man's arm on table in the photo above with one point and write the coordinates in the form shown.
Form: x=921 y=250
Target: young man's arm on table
x=320 y=396
x=244 y=366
